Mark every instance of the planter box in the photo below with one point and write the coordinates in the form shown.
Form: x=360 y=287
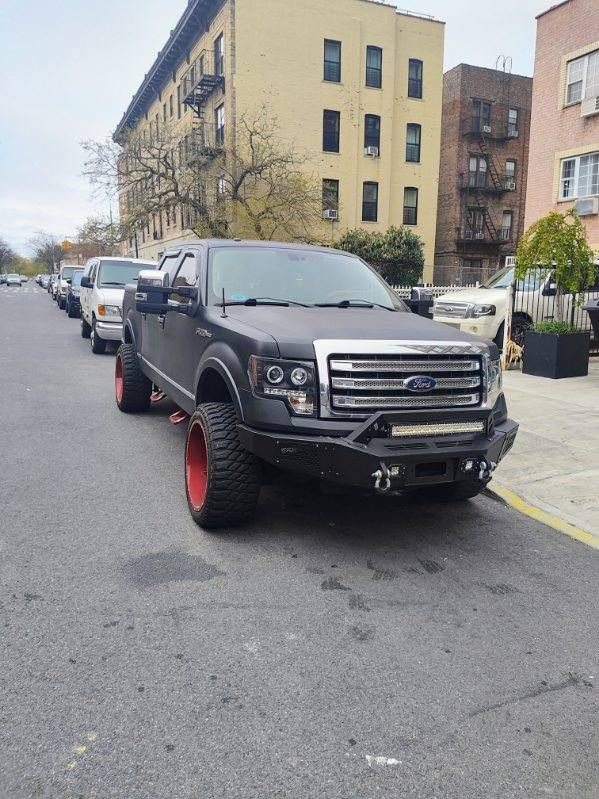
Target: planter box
x=556 y=356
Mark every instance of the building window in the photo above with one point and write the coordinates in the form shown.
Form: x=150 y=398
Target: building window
x=179 y=101
x=331 y=124
x=171 y=106
x=579 y=177
x=510 y=173
x=582 y=78
x=512 y=123
x=473 y=263
x=330 y=194
x=219 y=124
x=481 y=116
x=415 y=78
x=332 y=61
x=410 y=206
x=506 y=226
x=477 y=171
x=475 y=223
x=164 y=112
x=221 y=188
x=370 y=202
x=219 y=55
x=374 y=67
x=413 y=133
x=372 y=131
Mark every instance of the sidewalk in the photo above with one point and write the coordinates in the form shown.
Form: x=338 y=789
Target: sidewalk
x=554 y=464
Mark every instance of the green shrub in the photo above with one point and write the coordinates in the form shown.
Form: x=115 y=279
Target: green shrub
x=556 y=328
x=396 y=254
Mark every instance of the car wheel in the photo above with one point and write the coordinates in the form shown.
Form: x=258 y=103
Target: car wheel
x=132 y=388
x=499 y=337
x=453 y=492
x=222 y=480
x=85 y=329
x=520 y=324
x=98 y=344
x=70 y=312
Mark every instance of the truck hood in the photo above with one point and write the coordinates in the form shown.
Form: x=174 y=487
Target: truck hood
x=476 y=296
x=295 y=329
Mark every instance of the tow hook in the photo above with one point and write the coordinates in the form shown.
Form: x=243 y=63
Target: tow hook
x=486 y=469
x=382 y=479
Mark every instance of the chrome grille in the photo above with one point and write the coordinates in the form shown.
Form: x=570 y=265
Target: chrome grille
x=457 y=310
x=366 y=384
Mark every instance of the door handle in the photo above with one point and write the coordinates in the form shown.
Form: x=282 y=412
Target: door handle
x=161 y=320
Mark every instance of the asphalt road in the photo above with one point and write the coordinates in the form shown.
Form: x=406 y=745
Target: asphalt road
x=340 y=648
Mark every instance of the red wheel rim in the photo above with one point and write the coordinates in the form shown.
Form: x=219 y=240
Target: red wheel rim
x=196 y=466
x=118 y=379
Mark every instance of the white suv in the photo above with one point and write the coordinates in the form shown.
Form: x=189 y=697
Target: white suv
x=102 y=288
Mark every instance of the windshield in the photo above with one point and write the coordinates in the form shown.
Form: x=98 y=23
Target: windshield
x=306 y=276
x=12 y=276
x=504 y=279
x=118 y=273
x=76 y=279
x=67 y=272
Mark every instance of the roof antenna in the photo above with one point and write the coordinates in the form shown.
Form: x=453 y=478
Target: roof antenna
x=224 y=313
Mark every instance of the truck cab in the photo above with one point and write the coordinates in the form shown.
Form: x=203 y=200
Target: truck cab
x=303 y=359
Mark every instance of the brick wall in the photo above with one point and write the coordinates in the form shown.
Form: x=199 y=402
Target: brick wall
x=461 y=85
x=568 y=29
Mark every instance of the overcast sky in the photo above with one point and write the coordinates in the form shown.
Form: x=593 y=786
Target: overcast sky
x=68 y=70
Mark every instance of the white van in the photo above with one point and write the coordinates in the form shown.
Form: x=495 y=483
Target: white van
x=102 y=288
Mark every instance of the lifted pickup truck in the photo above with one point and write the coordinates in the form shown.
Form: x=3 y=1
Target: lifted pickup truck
x=304 y=359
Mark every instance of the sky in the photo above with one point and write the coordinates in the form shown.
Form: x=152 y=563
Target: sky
x=68 y=70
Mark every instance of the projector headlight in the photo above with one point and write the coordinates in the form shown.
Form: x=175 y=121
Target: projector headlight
x=484 y=310
x=292 y=382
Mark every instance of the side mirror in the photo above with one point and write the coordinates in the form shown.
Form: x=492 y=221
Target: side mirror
x=550 y=289
x=152 y=292
x=86 y=283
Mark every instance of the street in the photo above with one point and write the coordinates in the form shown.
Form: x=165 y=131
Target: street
x=342 y=647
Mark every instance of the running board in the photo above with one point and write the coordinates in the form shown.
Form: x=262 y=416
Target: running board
x=178 y=417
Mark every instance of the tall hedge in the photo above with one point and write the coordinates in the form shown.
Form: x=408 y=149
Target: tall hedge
x=396 y=254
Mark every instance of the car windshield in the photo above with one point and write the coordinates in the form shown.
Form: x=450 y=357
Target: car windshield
x=118 y=273
x=305 y=277
x=67 y=272
x=13 y=277
x=504 y=279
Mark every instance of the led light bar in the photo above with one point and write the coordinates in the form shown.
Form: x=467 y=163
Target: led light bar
x=436 y=429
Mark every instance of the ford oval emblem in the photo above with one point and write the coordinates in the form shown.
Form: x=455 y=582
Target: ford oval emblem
x=420 y=384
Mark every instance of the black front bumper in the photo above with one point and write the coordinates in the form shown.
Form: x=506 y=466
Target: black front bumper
x=409 y=462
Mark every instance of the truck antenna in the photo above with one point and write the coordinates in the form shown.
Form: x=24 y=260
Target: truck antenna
x=224 y=313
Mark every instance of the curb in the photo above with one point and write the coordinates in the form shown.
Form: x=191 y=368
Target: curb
x=512 y=499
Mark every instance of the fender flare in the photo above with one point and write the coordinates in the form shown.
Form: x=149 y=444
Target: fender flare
x=219 y=366
x=127 y=324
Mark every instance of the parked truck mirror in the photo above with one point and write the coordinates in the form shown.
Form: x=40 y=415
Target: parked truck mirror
x=86 y=283
x=550 y=290
x=152 y=292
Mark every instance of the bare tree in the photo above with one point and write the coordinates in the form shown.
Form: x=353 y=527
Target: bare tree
x=97 y=236
x=258 y=186
x=47 y=250
x=7 y=255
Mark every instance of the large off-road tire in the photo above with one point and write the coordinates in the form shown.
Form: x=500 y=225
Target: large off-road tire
x=520 y=324
x=222 y=480
x=132 y=388
x=98 y=344
x=85 y=329
x=70 y=312
x=453 y=492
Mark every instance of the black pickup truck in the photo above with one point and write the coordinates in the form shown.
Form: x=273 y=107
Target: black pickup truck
x=302 y=358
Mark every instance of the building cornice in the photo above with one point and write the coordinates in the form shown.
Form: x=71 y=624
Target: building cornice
x=196 y=16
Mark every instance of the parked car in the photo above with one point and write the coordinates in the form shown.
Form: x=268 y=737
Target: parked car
x=53 y=285
x=65 y=274
x=72 y=303
x=482 y=310
x=24 y=279
x=2 y=278
x=13 y=279
x=303 y=358
x=44 y=280
x=102 y=288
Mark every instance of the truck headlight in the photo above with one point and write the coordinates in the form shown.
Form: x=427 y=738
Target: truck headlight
x=484 y=310
x=292 y=382
x=109 y=310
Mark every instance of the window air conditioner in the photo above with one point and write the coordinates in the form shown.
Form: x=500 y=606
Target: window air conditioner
x=510 y=185
x=479 y=234
x=372 y=151
x=589 y=107
x=486 y=128
x=587 y=206
x=332 y=214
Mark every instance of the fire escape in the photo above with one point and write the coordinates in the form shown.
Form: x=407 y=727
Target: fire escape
x=204 y=76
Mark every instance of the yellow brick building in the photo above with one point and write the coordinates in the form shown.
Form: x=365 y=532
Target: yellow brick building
x=354 y=84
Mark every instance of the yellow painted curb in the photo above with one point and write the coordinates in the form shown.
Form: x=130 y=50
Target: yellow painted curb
x=543 y=516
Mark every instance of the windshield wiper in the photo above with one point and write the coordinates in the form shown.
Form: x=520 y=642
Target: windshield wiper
x=353 y=304
x=252 y=301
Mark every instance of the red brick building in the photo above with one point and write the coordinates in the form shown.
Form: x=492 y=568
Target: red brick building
x=563 y=169
x=483 y=171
